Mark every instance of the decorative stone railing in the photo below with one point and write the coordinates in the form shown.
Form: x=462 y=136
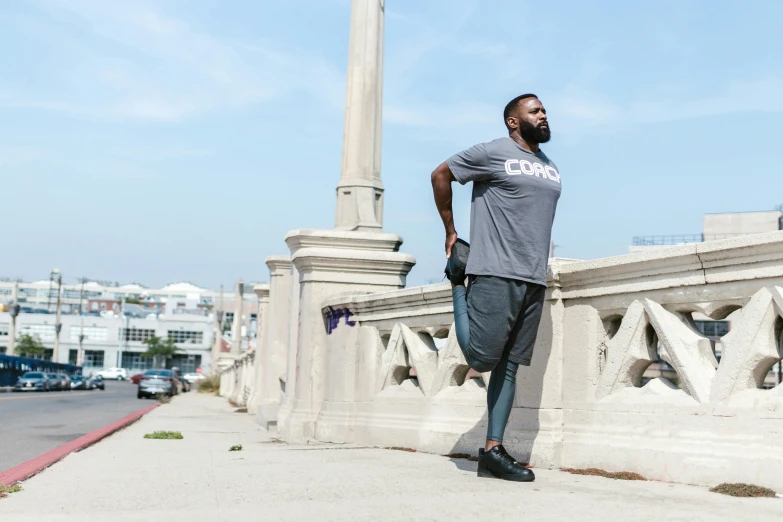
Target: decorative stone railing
x=237 y=381
x=395 y=375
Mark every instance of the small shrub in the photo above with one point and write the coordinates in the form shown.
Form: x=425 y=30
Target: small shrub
x=742 y=490
x=237 y=447
x=616 y=475
x=163 y=398
x=164 y=435
x=5 y=490
x=240 y=410
x=210 y=385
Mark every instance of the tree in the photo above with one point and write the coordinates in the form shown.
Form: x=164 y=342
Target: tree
x=160 y=349
x=28 y=346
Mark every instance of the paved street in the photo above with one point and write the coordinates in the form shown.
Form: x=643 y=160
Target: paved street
x=34 y=423
x=199 y=479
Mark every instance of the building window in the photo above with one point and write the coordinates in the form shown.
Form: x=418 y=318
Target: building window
x=713 y=329
x=185 y=363
x=93 y=358
x=181 y=336
x=72 y=356
x=134 y=361
x=91 y=333
x=4 y=328
x=44 y=332
x=136 y=334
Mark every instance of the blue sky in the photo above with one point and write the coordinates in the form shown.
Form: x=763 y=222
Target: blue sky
x=167 y=140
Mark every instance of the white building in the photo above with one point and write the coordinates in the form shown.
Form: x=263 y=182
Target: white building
x=180 y=311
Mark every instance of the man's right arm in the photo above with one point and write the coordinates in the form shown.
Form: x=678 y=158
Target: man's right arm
x=441 y=188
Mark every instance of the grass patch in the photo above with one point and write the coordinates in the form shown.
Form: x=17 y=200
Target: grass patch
x=174 y=435
x=236 y=447
x=5 y=490
x=240 y=410
x=210 y=385
x=742 y=490
x=163 y=398
x=616 y=475
x=397 y=448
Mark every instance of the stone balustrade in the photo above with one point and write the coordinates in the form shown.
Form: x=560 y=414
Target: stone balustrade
x=393 y=374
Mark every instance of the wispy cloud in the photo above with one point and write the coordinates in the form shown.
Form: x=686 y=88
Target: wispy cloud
x=590 y=108
x=151 y=66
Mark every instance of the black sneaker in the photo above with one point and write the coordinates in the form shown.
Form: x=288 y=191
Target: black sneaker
x=458 y=262
x=497 y=463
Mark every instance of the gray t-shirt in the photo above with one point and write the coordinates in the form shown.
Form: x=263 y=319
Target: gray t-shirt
x=515 y=195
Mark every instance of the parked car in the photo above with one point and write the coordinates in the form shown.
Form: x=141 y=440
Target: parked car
x=78 y=382
x=33 y=381
x=55 y=384
x=65 y=382
x=185 y=384
x=119 y=374
x=193 y=378
x=96 y=381
x=160 y=381
x=136 y=378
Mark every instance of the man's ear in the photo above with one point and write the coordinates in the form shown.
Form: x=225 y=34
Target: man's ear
x=512 y=122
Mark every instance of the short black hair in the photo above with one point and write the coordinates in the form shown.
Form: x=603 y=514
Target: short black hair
x=510 y=106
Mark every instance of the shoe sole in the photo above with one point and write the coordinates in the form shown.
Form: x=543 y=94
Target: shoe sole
x=512 y=478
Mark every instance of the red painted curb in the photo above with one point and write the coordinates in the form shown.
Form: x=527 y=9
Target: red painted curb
x=36 y=465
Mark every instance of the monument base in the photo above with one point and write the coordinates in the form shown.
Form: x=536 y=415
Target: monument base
x=331 y=263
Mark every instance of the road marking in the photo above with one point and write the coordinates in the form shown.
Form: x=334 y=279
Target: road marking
x=42 y=395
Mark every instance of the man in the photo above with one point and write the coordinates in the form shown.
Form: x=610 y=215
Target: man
x=515 y=193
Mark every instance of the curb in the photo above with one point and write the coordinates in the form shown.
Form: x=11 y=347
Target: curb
x=36 y=465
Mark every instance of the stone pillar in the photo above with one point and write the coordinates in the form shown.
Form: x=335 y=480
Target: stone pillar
x=14 y=314
x=236 y=330
x=360 y=190
x=217 y=342
x=357 y=256
x=331 y=262
x=272 y=366
x=262 y=291
x=289 y=391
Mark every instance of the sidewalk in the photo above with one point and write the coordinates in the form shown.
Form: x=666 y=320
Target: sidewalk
x=127 y=477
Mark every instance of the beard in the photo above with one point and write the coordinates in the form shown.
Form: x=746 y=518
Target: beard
x=534 y=133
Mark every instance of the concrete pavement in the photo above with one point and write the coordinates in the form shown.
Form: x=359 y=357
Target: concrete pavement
x=127 y=477
x=34 y=423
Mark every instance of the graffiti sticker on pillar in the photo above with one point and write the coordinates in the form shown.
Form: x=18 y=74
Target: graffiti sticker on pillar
x=333 y=317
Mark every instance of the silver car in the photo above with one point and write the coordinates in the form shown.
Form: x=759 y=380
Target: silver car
x=34 y=381
x=158 y=382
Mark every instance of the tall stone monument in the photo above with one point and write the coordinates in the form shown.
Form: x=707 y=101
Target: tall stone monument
x=355 y=256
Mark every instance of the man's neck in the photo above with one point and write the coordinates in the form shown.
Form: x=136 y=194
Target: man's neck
x=532 y=147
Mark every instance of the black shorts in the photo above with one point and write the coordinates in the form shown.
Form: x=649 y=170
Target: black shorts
x=504 y=315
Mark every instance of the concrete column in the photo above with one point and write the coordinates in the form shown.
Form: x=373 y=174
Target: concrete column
x=236 y=330
x=12 y=327
x=289 y=391
x=272 y=367
x=217 y=342
x=331 y=262
x=360 y=190
x=357 y=256
x=57 y=324
x=262 y=291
